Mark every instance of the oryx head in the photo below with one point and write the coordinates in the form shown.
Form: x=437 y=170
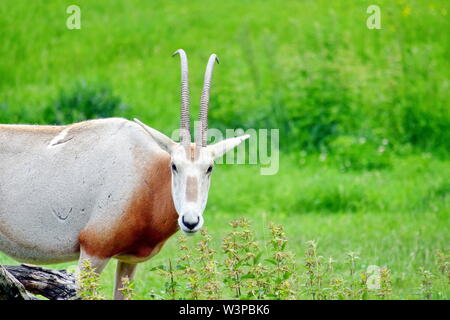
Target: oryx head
x=192 y=163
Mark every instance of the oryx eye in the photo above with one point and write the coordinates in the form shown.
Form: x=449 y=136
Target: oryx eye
x=174 y=167
x=209 y=169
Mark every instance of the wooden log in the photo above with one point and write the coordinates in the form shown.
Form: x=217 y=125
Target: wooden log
x=11 y=288
x=50 y=283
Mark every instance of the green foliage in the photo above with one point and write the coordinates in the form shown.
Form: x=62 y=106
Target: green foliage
x=352 y=153
x=248 y=268
x=426 y=284
x=314 y=184
x=88 y=282
x=242 y=270
x=84 y=101
x=310 y=68
x=421 y=127
x=127 y=288
x=309 y=109
x=443 y=261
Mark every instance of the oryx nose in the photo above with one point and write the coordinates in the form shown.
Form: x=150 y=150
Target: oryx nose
x=190 y=225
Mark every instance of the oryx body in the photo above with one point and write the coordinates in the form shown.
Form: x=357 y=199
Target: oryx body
x=101 y=189
x=58 y=182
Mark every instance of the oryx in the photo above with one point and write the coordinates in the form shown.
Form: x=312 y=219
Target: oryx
x=106 y=188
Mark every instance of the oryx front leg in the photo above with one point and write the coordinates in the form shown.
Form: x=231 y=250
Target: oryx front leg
x=124 y=270
x=96 y=264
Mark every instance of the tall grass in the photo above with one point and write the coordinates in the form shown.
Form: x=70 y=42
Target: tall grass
x=244 y=267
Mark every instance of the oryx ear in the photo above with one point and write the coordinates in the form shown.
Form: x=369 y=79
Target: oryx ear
x=220 y=148
x=162 y=140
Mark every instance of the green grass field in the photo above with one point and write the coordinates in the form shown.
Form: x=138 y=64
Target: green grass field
x=363 y=114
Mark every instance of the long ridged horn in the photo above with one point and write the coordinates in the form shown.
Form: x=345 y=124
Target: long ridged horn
x=185 y=123
x=202 y=134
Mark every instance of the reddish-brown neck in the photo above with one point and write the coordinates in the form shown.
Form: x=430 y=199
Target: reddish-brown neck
x=149 y=220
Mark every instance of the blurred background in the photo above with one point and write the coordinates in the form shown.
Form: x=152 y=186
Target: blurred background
x=364 y=115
